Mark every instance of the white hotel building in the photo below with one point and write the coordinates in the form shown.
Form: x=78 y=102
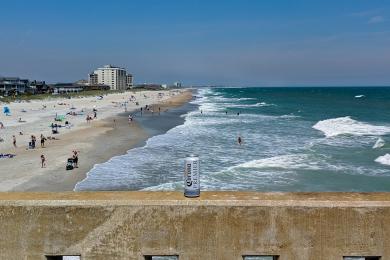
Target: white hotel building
x=112 y=76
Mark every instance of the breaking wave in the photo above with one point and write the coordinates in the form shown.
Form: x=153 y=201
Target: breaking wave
x=348 y=126
x=384 y=159
x=379 y=143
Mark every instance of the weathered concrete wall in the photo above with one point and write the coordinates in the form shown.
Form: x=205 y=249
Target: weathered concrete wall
x=218 y=225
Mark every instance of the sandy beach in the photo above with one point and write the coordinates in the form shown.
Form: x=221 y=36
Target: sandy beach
x=108 y=135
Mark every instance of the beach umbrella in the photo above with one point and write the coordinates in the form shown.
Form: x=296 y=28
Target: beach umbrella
x=6 y=110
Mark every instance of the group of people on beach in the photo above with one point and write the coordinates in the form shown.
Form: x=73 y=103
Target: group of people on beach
x=33 y=139
x=90 y=118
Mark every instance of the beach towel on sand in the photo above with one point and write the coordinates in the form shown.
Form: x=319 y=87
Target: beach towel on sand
x=7 y=155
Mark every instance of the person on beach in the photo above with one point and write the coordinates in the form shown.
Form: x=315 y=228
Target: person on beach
x=130 y=119
x=1 y=125
x=75 y=159
x=239 y=140
x=43 y=161
x=159 y=110
x=33 y=140
x=94 y=114
x=14 y=141
x=43 y=139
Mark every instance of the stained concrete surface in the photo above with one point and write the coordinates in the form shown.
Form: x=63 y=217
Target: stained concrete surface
x=218 y=225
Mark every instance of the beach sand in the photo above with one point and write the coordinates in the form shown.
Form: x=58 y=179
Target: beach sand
x=97 y=141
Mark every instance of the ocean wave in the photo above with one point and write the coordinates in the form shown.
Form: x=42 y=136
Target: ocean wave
x=260 y=104
x=221 y=99
x=359 y=96
x=169 y=186
x=290 y=161
x=379 y=143
x=384 y=159
x=348 y=126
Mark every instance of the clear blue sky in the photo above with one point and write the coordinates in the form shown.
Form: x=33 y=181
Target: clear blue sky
x=231 y=42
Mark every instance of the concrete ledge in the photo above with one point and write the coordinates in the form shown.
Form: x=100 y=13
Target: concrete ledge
x=222 y=198
x=218 y=225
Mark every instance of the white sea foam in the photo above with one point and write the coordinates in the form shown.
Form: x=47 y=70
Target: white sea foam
x=260 y=104
x=290 y=161
x=379 y=143
x=359 y=96
x=384 y=159
x=165 y=186
x=348 y=126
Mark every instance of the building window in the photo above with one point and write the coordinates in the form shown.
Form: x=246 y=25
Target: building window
x=260 y=257
x=161 y=257
x=63 y=257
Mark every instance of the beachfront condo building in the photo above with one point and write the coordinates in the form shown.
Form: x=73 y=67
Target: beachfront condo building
x=129 y=81
x=92 y=79
x=113 y=76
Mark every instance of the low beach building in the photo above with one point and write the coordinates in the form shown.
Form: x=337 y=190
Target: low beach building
x=61 y=88
x=13 y=85
x=38 y=87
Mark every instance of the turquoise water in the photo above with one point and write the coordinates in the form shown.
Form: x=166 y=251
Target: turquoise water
x=294 y=139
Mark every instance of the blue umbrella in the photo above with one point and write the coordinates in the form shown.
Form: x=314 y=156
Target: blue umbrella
x=6 y=110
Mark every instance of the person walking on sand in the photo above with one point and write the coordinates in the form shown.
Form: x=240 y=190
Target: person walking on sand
x=76 y=159
x=43 y=139
x=43 y=161
x=14 y=141
x=33 y=140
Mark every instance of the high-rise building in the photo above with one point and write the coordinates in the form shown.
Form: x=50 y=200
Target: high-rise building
x=129 y=81
x=92 y=79
x=112 y=76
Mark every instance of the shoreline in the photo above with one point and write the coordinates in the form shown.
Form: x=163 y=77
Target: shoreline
x=99 y=142
x=152 y=126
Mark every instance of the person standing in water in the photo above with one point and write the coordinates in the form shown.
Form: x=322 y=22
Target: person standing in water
x=239 y=140
x=14 y=141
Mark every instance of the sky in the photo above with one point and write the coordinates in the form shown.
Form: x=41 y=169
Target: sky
x=200 y=42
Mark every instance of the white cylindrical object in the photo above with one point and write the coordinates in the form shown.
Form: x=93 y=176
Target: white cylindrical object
x=191 y=176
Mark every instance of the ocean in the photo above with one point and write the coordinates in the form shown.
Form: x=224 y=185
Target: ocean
x=294 y=139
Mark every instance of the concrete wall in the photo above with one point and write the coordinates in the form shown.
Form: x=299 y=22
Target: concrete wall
x=218 y=225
